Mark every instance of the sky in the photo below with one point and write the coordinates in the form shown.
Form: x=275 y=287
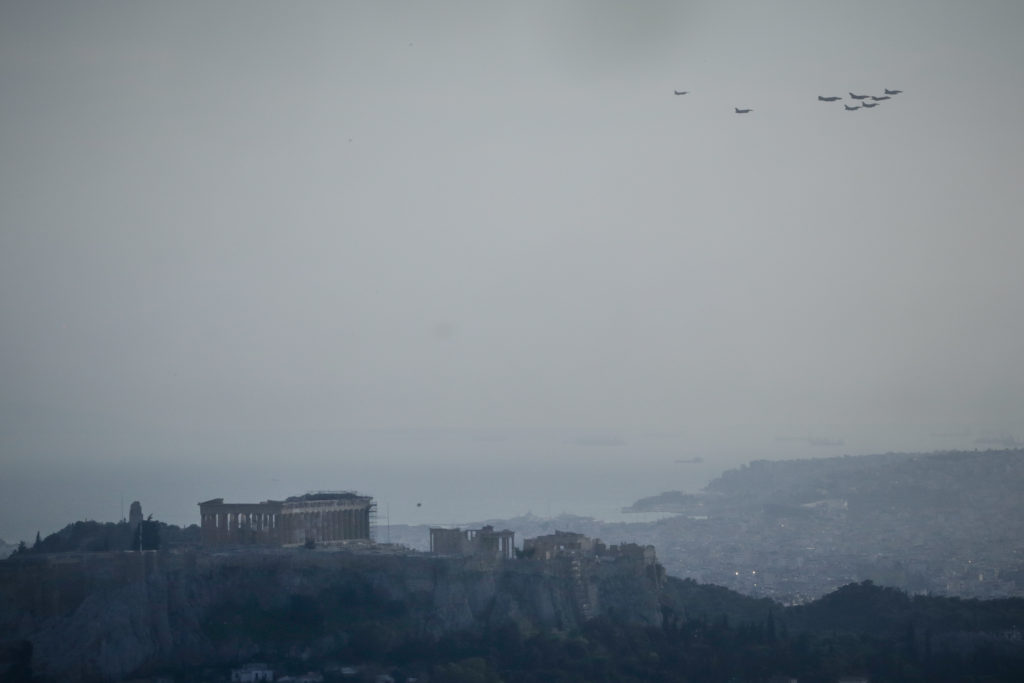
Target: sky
x=478 y=256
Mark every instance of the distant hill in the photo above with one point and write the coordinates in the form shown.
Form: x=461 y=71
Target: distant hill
x=940 y=523
x=892 y=481
x=964 y=482
x=6 y=548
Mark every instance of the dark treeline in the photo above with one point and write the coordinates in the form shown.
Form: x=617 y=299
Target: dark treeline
x=708 y=634
x=90 y=536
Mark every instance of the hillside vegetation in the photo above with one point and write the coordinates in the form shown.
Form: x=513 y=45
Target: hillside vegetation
x=111 y=616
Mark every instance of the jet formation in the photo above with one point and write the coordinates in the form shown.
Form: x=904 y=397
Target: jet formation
x=862 y=100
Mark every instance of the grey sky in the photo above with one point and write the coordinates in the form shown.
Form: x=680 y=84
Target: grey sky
x=237 y=231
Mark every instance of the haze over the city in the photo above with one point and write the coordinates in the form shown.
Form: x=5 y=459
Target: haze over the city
x=471 y=257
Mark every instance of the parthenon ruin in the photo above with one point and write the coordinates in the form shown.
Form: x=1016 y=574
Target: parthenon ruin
x=320 y=517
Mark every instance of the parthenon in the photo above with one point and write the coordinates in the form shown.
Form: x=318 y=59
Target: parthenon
x=320 y=517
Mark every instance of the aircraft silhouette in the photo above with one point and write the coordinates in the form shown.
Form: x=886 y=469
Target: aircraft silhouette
x=869 y=104
x=859 y=97
x=849 y=108
x=743 y=111
x=879 y=99
x=828 y=99
x=681 y=92
x=892 y=92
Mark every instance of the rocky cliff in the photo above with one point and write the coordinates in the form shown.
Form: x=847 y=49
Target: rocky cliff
x=106 y=616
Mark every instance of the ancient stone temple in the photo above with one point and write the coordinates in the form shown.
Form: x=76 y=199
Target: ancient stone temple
x=321 y=517
x=485 y=542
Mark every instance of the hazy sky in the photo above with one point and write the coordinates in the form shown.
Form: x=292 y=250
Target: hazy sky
x=249 y=249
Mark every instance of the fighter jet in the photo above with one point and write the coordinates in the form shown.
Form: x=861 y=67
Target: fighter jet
x=892 y=92
x=879 y=99
x=681 y=92
x=828 y=99
x=849 y=108
x=868 y=105
x=859 y=97
x=743 y=111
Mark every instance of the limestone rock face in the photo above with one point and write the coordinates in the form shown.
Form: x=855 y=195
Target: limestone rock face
x=108 y=616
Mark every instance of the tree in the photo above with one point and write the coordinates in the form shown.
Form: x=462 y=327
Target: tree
x=147 y=536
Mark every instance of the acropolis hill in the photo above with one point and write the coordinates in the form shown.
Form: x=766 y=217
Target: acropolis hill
x=109 y=615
